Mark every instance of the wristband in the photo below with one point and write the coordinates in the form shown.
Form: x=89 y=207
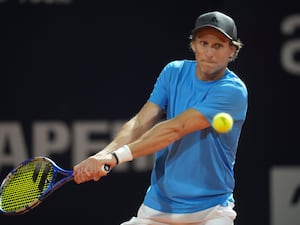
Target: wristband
x=116 y=157
x=123 y=154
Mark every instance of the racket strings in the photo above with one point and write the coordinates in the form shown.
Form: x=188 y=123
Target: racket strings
x=24 y=186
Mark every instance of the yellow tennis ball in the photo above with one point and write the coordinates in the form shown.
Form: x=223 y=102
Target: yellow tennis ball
x=222 y=122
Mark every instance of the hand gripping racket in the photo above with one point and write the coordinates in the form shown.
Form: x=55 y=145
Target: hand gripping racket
x=27 y=185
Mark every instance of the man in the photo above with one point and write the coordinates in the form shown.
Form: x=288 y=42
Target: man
x=192 y=180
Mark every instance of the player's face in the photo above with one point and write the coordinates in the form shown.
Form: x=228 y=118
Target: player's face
x=212 y=51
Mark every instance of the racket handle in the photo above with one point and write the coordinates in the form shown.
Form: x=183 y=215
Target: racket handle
x=106 y=168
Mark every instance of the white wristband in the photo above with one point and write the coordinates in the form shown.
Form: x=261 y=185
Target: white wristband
x=123 y=154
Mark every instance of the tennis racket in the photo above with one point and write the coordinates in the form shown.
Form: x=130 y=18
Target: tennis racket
x=27 y=185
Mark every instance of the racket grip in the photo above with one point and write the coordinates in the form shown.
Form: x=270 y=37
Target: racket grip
x=106 y=168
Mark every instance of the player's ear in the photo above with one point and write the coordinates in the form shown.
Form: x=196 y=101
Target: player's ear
x=233 y=49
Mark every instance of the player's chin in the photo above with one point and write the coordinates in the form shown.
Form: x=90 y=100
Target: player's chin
x=208 y=64
x=208 y=68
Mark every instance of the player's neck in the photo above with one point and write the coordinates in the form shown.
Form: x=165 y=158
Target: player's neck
x=210 y=75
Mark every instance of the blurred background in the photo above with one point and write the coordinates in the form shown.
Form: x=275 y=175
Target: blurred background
x=73 y=71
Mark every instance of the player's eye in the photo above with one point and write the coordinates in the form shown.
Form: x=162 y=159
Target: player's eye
x=217 y=46
x=203 y=43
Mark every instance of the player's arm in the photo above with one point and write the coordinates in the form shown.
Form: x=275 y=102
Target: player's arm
x=144 y=136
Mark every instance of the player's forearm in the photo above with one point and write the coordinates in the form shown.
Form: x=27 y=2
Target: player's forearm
x=167 y=132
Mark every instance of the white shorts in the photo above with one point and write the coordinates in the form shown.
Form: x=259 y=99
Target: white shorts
x=218 y=215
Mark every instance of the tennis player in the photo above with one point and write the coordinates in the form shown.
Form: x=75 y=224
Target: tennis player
x=192 y=180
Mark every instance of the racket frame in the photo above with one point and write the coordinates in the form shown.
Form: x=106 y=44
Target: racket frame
x=53 y=185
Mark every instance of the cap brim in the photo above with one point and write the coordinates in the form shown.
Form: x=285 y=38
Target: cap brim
x=209 y=25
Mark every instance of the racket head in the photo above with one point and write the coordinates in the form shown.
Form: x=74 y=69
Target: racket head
x=25 y=186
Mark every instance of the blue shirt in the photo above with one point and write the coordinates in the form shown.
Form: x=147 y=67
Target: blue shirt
x=196 y=172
